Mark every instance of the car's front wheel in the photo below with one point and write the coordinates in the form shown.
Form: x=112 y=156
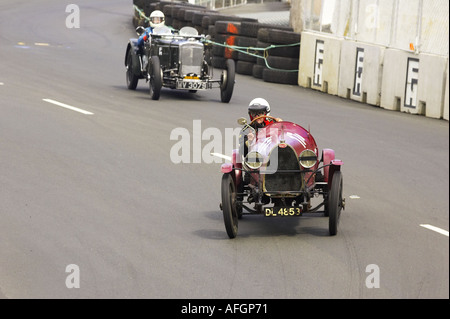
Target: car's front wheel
x=132 y=79
x=335 y=202
x=227 y=85
x=230 y=215
x=155 y=81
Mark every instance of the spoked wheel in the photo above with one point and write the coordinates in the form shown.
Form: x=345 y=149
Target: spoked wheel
x=326 y=211
x=155 y=82
x=227 y=86
x=335 y=203
x=239 y=198
x=132 y=79
x=230 y=215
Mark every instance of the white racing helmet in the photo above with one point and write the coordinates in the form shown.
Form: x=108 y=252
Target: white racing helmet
x=157 y=19
x=258 y=106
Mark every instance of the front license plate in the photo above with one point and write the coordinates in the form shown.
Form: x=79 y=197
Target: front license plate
x=192 y=85
x=282 y=211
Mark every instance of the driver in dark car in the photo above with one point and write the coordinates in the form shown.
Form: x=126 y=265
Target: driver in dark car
x=157 y=19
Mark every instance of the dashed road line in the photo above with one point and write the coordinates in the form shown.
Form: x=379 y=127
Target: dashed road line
x=68 y=106
x=228 y=158
x=436 y=229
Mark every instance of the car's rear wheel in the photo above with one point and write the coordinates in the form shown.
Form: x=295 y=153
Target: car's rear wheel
x=155 y=82
x=132 y=79
x=335 y=202
x=230 y=215
x=227 y=86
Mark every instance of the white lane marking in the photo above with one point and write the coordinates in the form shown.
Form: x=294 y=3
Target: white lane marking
x=68 y=106
x=1 y=83
x=39 y=44
x=354 y=197
x=436 y=229
x=222 y=156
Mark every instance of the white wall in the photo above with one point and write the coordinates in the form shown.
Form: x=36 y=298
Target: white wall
x=414 y=83
x=361 y=72
x=402 y=45
x=319 y=62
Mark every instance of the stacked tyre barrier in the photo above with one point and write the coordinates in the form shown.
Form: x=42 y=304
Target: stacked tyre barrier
x=281 y=59
x=264 y=51
x=225 y=36
x=268 y=52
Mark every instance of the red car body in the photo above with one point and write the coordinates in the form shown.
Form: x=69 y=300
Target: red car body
x=282 y=168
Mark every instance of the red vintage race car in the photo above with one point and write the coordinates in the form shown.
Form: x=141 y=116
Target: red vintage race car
x=277 y=173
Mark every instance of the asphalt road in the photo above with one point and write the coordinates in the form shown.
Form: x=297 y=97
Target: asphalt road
x=101 y=192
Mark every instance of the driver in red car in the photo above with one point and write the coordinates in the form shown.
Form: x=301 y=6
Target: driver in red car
x=258 y=108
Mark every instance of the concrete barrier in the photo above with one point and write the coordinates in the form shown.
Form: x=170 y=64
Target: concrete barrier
x=319 y=62
x=413 y=83
x=361 y=72
x=432 y=79
x=446 y=111
x=394 y=79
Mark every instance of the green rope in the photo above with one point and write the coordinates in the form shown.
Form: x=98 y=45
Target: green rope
x=140 y=12
x=246 y=50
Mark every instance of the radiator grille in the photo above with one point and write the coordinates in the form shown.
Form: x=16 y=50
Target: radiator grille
x=191 y=58
x=279 y=181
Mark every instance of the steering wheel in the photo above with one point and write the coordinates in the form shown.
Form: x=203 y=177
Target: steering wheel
x=263 y=116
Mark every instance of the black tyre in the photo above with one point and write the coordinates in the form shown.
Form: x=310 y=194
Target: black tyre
x=132 y=79
x=246 y=58
x=257 y=71
x=282 y=63
x=250 y=29
x=282 y=77
x=228 y=27
x=243 y=67
x=219 y=50
x=219 y=62
x=335 y=202
x=212 y=31
x=167 y=10
x=225 y=51
x=283 y=51
x=230 y=215
x=220 y=17
x=246 y=41
x=135 y=21
x=155 y=83
x=188 y=15
x=326 y=211
x=176 y=24
x=278 y=36
x=227 y=86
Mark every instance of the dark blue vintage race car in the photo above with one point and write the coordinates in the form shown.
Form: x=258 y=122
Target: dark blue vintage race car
x=176 y=60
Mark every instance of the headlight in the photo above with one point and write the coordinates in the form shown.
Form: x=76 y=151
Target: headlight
x=254 y=160
x=308 y=158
